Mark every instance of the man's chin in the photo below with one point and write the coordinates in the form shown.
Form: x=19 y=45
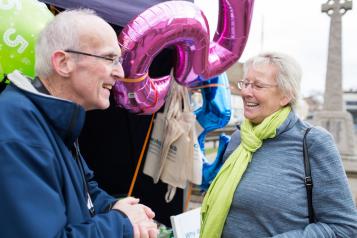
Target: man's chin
x=105 y=106
x=101 y=105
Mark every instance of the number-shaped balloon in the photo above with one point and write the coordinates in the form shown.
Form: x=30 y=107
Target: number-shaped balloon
x=210 y=170
x=181 y=25
x=214 y=113
x=20 y=23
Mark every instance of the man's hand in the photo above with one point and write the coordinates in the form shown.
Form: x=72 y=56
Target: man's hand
x=140 y=216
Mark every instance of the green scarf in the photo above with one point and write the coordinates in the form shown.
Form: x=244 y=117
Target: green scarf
x=218 y=199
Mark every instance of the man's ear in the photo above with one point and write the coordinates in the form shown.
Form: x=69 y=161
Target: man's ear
x=62 y=64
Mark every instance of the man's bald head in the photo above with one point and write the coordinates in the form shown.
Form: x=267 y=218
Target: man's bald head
x=71 y=29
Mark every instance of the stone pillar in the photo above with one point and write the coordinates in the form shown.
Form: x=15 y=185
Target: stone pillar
x=340 y=125
x=334 y=116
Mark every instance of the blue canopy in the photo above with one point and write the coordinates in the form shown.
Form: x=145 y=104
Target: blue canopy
x=117 y=12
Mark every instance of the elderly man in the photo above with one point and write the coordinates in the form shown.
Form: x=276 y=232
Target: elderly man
x=46 y=187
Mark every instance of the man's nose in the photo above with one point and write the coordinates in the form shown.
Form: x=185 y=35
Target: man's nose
x=118 y=71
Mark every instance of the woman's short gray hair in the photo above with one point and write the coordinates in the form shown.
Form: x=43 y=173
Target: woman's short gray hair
x=289 y=72
x=63 y=32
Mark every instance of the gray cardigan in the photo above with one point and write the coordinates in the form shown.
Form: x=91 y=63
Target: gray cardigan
x=271 y=198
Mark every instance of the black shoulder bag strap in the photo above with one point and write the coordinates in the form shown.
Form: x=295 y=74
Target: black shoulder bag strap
x=308 y=178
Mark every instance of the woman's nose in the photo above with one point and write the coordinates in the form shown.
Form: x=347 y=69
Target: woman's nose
x=248 y=90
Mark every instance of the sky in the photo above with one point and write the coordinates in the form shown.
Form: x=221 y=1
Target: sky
x=300 y=29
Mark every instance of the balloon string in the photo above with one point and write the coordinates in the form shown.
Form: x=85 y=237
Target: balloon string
x=129 y=80
x=141 y=156
x=209 y=86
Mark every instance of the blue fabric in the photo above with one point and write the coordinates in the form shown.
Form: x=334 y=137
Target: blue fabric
x=270 y=200
x=42 y=192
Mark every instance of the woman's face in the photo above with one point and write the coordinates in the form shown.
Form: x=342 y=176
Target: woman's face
x=261 y=94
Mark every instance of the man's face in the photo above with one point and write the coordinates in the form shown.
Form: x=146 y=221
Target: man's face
x=93 y=77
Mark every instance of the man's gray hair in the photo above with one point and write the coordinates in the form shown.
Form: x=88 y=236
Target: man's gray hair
x=288 y=76
x=62 y=33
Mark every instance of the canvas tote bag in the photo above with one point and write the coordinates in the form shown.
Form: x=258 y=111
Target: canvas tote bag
x=183 y=161
x=184 y=153
x=153 y=156
x=174 y=154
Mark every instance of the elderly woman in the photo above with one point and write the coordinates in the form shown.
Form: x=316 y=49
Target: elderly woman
x=260 y=190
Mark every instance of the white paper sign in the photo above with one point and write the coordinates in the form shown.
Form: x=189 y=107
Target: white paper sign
x=187 y=224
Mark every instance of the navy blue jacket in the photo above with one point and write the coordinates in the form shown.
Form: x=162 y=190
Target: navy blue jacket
x=42 y=191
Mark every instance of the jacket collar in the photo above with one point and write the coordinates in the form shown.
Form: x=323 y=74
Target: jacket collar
x=66 y=117
x=288 y=123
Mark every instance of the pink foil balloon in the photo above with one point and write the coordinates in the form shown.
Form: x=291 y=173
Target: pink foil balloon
x=182 y=25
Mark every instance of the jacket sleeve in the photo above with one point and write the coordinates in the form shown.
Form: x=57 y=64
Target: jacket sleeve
x=101 y=199
x=334 y=208
x=106 y=225
x=31 y=205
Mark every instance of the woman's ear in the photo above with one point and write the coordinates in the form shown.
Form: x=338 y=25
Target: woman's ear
x=62 y=64
x=285 y=100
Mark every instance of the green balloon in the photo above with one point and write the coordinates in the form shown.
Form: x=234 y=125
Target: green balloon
x=20 y=24
x=1 y=74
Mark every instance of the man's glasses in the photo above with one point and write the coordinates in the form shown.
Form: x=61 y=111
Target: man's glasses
x=115 y=61
x=243 y=84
